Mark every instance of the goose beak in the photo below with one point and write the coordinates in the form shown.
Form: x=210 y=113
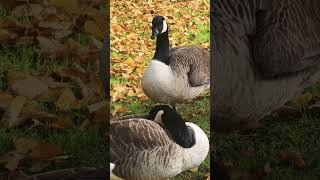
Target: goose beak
x=155 y=33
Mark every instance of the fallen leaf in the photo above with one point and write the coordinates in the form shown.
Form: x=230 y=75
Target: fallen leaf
x=11 y=160
x=25 y=145
x=267 y=168
x=67 y=101
x=29 y=87
x=45 y=151
x=70 y=5
x=49 y=46
x=130 y=93
x=36 y=9
x=61 y=123
x=293 y=158
x=11 y=116
x=5 y=100
x=92 y=27
x=95 y=107
x=194 y=169
x=50 y=95
x=301 y=100
x=7 y=36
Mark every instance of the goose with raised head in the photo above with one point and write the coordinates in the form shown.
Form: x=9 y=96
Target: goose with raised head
x=175 y=75
x=160 y=148
x=265 y=52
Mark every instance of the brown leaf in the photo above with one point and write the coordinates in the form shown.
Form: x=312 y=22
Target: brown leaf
x=49 y=46
x=20 y=10
x=50 y=95
x=67 y=101
x=29 y=87
x=101 y=115
x=267 y=168
x=7 y=36
x=36 y=9
x=93 y=28
x=300 y=101
x=62 y=123
x=72 y=73
x=293 y=158
x=5 y=99
x=10 y=160
x=62 y=34
x=25 y=145
x=70 y=5
x=55 y=25
x=25 y=40
x=11 y=116
x=95 y=107
x=33 y=110
x=45 y=151
x=119 y=109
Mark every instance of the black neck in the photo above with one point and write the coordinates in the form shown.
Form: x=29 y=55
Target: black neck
x=162 y=48
x=179 y=131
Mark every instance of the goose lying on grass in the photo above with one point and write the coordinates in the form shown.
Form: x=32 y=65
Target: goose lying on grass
x=142 y=149
x=175 y=75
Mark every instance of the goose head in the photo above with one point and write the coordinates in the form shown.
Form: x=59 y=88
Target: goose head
x=159 y=26
x=171 y=120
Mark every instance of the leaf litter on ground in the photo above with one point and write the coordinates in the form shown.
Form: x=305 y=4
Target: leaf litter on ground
x=47 y=100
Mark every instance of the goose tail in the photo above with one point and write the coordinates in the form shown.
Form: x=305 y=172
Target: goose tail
x=113 y=176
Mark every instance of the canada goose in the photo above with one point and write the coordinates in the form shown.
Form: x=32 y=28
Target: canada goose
x=142 y=149
x=175 y=75
x=264 y=54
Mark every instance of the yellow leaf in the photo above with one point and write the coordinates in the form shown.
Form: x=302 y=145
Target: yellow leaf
x=129 y=62
x=24 y=145
x=143 y=97
x=92 y=27
x=70 y=5
x=130 y=93
x=194 y=169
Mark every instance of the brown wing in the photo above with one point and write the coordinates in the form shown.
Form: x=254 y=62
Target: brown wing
x=194 y=61
x=134 y=135
x=287 y=40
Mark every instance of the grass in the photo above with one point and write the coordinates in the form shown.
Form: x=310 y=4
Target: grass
x=249 y=152
x=86 y=148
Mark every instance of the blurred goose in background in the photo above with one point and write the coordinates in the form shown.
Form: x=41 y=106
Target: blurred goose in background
x=175 y=75
x=160 y=148
x=265 y=52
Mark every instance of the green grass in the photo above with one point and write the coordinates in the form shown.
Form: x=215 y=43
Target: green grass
x=249 y=152
x=85 y=148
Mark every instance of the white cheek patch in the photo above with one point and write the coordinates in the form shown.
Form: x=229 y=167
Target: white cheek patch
x=157 y=119
x=164 y=26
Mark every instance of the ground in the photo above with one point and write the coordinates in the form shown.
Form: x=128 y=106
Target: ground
x=59 y=142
